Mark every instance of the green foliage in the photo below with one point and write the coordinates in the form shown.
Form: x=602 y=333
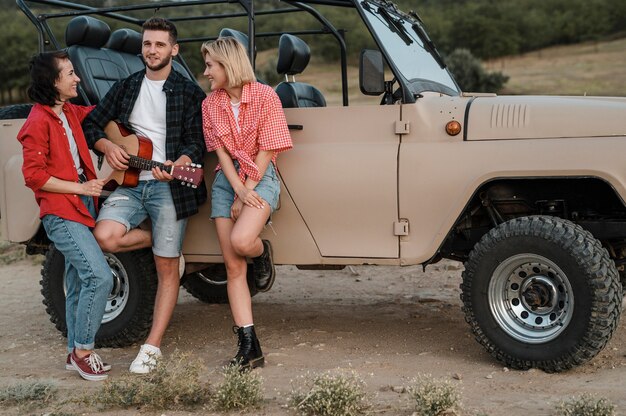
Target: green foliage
x=330 y=395
x=173 y=384
x=434 y=398
x=267 y=72
x=507 y=27
x=586 y=405
x=240 y=390
x=470 y=74
x=28 y=393
x=487 y=28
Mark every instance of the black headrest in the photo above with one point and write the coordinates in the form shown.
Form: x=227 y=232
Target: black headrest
x=237 y=35
x=87 y=31
x=125 y=40
x=293 y=55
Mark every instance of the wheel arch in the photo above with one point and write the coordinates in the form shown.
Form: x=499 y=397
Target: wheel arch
x=590 y=201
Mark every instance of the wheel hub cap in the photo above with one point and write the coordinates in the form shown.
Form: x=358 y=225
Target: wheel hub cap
x=531 y=298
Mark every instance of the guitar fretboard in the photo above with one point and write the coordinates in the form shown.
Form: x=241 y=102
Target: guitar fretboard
x=146 y=164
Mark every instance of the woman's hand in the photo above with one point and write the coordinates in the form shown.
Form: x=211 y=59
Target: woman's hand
x=235 y=210
x=92 y=187
x=250 y=198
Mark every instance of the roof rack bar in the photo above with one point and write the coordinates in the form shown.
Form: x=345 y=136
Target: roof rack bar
x=339 y=36
x=143 y=6
x=228 y=15
x=259 y=35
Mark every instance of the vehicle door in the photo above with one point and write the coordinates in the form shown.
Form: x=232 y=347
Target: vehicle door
x=342 y=176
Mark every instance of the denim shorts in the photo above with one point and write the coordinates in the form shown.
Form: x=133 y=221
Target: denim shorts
x=223 y=195
x=149 y=199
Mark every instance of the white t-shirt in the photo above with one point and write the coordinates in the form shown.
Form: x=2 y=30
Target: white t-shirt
x=72 y=142
x=148 y=119
x=235 y=108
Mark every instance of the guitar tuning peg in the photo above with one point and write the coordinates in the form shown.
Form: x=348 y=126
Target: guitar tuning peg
x=188 y=184
x=194 y=186
x=193 y=165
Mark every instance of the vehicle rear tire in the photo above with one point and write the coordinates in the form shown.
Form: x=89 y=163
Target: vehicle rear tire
x=129 y=309
x=541 y=292
x=17 y=111
x=209 y=284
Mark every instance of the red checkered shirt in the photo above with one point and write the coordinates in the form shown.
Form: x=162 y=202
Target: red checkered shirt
x=262 y=126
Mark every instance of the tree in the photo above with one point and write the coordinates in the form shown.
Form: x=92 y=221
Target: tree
x=470 y=74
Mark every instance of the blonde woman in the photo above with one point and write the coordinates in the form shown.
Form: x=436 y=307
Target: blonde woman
x=245 y=125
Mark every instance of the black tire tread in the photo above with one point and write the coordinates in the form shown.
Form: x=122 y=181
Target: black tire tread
x=591 y=257
x=213 y=294
x=139 y=326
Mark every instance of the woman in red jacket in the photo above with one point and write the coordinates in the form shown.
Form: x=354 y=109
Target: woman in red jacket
x=58 y=168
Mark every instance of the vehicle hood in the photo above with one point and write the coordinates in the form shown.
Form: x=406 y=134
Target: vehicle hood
x=530 y=117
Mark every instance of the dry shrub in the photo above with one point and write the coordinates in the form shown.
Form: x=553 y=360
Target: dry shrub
x=434 y=398
x=239 y=390
x=173 y=384
x=328 y=394
x=586 y=405
x=28 y=393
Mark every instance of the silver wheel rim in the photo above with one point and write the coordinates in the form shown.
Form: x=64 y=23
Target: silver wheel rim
x=210 y=281
x=531 y=298
x=118 y=298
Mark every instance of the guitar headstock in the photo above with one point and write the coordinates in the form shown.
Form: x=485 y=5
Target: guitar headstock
x=190 y=174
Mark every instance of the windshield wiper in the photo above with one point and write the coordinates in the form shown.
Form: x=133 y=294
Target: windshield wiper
x=395 y=26
x=428 y=44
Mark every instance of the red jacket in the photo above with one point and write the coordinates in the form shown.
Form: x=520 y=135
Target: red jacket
x=47 y=153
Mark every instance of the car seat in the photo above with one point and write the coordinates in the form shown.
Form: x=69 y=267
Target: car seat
x=293 y=57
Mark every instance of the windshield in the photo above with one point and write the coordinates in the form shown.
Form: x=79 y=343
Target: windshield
x=398 y=36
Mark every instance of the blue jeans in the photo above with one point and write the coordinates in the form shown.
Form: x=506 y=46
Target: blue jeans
x=88 y=277
x=223 y=195
x=153 y=199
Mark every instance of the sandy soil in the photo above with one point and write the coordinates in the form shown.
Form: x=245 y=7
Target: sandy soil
x=386 y=323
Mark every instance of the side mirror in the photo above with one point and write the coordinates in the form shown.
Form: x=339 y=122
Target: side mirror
x=371 y=72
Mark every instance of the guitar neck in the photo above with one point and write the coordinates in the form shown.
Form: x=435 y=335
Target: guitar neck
x=146 y=164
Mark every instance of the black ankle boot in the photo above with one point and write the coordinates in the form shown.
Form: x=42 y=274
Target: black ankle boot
x=263 y=268
x=249 y=355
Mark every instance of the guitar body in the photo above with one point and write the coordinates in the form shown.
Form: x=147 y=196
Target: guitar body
x=133 y=145
x=140 y=151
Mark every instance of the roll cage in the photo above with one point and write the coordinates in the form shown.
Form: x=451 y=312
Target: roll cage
x=131 y=14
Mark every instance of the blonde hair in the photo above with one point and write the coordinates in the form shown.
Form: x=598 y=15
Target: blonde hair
x=231 y=54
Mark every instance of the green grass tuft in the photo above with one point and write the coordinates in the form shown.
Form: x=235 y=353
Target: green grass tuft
x=586 y=405
x=328 y=394
x=240 y=390
x=434 y=398
x=173 y=384
x=28 y=393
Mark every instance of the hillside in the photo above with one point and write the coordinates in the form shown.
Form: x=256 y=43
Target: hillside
x=595 y=68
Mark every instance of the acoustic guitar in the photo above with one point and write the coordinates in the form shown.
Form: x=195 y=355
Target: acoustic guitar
x=139 y=149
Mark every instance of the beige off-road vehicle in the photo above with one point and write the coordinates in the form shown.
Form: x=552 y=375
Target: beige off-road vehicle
x=528 y=191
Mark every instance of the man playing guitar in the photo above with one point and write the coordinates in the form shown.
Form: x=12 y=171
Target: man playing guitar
x=163 y=105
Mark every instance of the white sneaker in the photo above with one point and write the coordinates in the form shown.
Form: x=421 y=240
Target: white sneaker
x=146 y=360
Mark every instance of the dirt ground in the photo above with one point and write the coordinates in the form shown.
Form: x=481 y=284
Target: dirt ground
x=386 y=323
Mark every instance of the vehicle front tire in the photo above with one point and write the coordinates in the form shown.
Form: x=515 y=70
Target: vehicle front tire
x=209 y=284
x=541 y=292
x=128 y=314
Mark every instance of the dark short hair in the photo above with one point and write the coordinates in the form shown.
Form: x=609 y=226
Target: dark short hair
x=159 y=23
x=44 y=71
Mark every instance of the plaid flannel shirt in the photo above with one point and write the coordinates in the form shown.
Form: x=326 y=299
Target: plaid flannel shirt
x=184 y=127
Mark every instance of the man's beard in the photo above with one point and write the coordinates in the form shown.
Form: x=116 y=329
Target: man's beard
x=164 y=62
